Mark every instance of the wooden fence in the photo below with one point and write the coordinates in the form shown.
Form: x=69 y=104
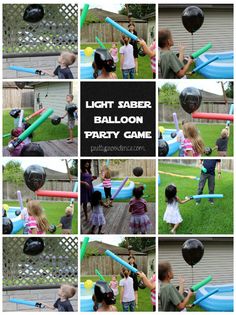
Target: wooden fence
x=165 y=113
x=106 y=33
x=226 y=164
x=10 y=190
x=107 y=266
x=17 y=98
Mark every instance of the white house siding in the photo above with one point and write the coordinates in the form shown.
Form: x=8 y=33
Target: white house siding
x=56 y=96
x=217 y=29
x=217 y=261
x=151 y=261
x=151 y=27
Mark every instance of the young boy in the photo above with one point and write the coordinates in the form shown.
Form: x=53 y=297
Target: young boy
x=70 y=109
x=171 y=66
x=66 y=220
x=171 y=300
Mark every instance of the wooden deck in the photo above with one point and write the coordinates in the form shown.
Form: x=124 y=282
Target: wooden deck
x=117 y=219
x=55 y=148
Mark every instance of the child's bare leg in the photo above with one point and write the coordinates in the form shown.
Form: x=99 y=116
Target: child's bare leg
x=175 y=228
x=136 y=65
x=71 y=134
x=93 y=229
x=100 y=229
x=136 y=297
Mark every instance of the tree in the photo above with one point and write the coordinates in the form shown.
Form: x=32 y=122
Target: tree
x=230 y=90
x=74 y=167
x=168 y=94
x=137 y=10
x=137 y=243
x=13 y=172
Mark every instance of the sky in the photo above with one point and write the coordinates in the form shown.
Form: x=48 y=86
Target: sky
x=112 y=240
x=53 y=163
x=111 y=6
x=211 y=86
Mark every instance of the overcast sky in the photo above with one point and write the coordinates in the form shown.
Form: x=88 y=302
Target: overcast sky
x=211 y=86
x=112 y=240
x=53 y=163
x=112 y=6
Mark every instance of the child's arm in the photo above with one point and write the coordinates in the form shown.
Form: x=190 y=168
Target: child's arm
x=185 y=68
x=48 y=72
x=181 y=285
x=189 y=153
x=183 y=304
x=33 y=231
x=121 y=61
x=219 y=169
x=146 y=49
x=59 y=226
x=181 y=53
x=182 y=201
x=121 y=294
x=66 y=113
x=47 y=305
x=228 y=129
x=149 y=284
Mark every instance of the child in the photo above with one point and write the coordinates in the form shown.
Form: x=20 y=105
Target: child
x=86 y=185
x=127 y=63
x=14 y=136
x=172 y=214
x=171 y=66
x=180 y=139
x=25 y=216
x=104 y=65
x=36 y=221
x=171 y=300
x=103 y=298
x=151 y=52
x=150 y=284
x=66 y=220
x=63 y=303
x=139 y=221
x=70 y=108
x=127 y=297
x=134 y=43
x=107 y=187
x=114 y=285
x=133 y=275
x=63 y=71
x=192 y=144
x=222 y=142
x=114 y=52
x=97 y=218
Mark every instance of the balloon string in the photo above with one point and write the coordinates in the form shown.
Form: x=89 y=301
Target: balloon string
x=192 y=43
x=192 y=276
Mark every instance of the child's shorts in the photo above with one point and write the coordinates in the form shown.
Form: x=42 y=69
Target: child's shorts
x=66 y=231
x=71 y=123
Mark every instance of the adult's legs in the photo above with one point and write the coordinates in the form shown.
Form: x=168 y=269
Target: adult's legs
x=201 y=185
x=211 y=186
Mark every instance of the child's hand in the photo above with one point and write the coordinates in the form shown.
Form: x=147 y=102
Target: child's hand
x=181 y=49
x=181 y=280
x=142 y=42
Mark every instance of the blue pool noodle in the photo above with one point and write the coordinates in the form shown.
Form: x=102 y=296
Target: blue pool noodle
x=24 y=302
x=22 y=69
x=205 y=296
x=231 y=112
x=121 y=261
x=207 y=196
x=205 y=64
x=121 y=28
x=75 y=189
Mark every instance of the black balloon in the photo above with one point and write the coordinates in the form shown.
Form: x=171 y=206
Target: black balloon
x=173 y=134
x=7 y=225
x=33 y=13
x=52 y=228
x=192 y=18
x=208 y=150
x=32 y=149
x=17 y=212
x=141 y=285
x=190 y=99
x=33 y=246
x=55 y=120
x=138 y=171
x=163 y=147
x=35 y=177
x=141 y=53
x=15 y=112
x=192 y=251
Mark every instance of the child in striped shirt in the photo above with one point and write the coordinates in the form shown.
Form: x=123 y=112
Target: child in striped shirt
x=107 y=186
x=150 y=284
x=192 y=144
x=36 y=222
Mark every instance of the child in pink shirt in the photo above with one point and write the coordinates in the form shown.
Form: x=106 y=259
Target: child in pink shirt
x=36 y=222
x=192 y=144
x=114 y=285
x=114 y=52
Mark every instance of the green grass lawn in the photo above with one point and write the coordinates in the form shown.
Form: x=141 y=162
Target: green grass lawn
x=144 y=296
x=144 y=65
x=204 y=218
x=209 y=133
x=149 y=188
x=54 y=211
x=47 y=131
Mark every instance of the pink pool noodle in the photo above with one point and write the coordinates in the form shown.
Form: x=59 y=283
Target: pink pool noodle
x=213 y=116
x=57 y=194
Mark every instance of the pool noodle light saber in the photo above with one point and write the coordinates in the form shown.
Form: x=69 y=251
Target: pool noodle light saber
x=28 y=70
x=176 y=121
x=55 y=193
x=121 y=261
x=119 y=189
x=29 y=130
x=201 y=284
x=204 y=297
x=28 y=303
x=178 y=175
x=19 y=196
x=231 y=112
x=83 y=247
x=201 y=51
x=99 y=42
x=38 y=112
x=213 y=116
x=99 y=275
x=196 y=69
x=75 y=189
x=20 y=123
x=121 y=29
x=206 y=196
x=84 y=14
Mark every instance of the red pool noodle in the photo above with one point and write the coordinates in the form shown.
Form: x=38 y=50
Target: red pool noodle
x=213 y=116
x=57 y=194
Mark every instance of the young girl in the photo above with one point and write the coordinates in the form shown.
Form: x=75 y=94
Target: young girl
x=134 y=43
x=222 y=142
x=127 y=63
x=86 y=185
x=127 y=297
x=192 y=144
x=103 y=298
x=97 y=218
x=139 y=221
x=151 y=52
x=150 y=284
x=14 y=135
x=172 y=214
x=107 y=186
x=133 y=275
x=114 y=285
x=171 y=299
x=114 y=52
x=180 y=139
x=36 y=221
x=103 y=65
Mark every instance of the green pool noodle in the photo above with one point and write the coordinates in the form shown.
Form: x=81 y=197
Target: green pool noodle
x=203 y=169
x=99 y=275
x=83 y=247
x=35 y=124
x=201 y=284
x=99 y=42
x=84 y=14
x=201 y=51
x=6 y=135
